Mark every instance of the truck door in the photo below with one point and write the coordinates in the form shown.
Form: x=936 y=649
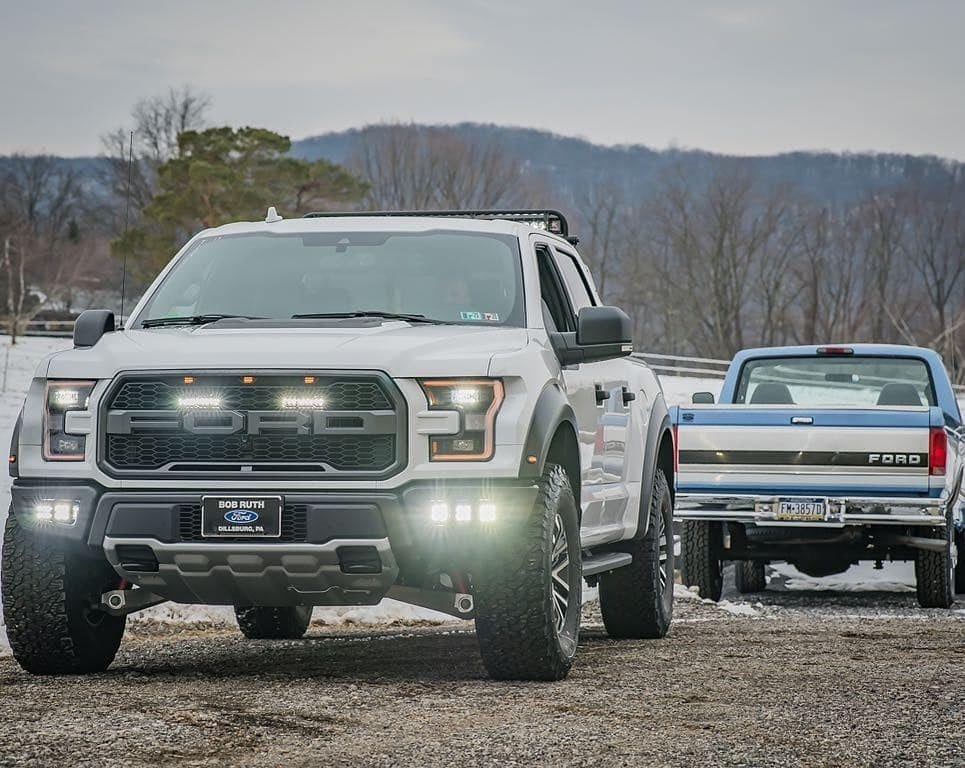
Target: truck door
x=595 y=391
x=613 y=414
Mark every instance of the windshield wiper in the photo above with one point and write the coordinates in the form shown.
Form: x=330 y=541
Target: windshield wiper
x=192 y=320
x=371 y=313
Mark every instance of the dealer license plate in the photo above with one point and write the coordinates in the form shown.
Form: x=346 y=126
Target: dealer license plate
x=257 y=517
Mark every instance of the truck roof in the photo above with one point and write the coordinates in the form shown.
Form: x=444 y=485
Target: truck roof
x=375 y=222
x=868 y=350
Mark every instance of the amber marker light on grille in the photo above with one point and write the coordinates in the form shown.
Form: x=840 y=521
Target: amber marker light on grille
x=247 y=379
x=309 y=379
x=188 y=379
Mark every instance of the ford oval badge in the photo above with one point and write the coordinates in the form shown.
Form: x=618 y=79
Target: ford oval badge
x=237 y=516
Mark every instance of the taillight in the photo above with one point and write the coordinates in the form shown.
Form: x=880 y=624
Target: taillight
x=937 y=451
x=676 y=451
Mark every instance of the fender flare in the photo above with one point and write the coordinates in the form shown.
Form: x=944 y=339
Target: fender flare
x=657 y=428
x=13 y=465
x=552 y=409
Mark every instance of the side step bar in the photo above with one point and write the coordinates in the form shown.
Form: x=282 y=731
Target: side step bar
x=606 y=561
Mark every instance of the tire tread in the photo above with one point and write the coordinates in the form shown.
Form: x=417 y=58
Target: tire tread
x=43 y=588
x=701 y=557
x=630 y=597
x=514 y=625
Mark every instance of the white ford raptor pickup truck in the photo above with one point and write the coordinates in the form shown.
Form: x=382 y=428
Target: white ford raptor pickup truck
x=433 y=407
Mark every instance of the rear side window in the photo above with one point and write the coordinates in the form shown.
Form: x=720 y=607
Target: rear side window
x=575 y=282
x=854 y=381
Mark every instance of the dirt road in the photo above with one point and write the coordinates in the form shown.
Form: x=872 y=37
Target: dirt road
x=801 y=679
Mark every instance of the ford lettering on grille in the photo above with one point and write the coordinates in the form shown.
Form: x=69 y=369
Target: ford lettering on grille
x=357 y=430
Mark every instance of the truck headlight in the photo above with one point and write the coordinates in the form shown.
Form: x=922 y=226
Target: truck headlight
x=61 y=398
x=477 y=401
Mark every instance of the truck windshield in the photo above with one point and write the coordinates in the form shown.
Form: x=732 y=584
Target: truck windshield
x=846 y=380
x=446 y=276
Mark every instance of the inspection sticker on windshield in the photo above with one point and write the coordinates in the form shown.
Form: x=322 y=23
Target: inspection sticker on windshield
x=491 y=317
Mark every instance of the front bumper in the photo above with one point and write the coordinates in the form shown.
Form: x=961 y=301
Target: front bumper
x=762 y=510
x=347 y=548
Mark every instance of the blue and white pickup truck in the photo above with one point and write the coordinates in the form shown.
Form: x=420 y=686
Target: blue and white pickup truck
x=823 y=457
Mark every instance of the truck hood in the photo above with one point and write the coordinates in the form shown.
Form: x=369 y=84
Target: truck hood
x=400 y=349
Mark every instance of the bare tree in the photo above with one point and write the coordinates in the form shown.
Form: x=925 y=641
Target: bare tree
x=16 y=297
x=160 y=120
x=606 y=233
x=410 y=167
x=826 y=276
x=40 y=199
x=725 y=247
x=883 y=278
x=156 y=122
x=935 y=248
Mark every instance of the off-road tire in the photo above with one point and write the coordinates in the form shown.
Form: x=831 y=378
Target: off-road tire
x=703 y=542
x=935 y=571
x=513 y=593
x=749 y=576
x=49 y=596
x=635 y=600
x=261 y=623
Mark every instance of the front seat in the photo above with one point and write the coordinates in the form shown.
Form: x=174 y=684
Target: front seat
x=772 y=394
x=899 y=394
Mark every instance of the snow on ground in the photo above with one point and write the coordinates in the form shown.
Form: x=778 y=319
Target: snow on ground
x=893 y=577
x=677 y=390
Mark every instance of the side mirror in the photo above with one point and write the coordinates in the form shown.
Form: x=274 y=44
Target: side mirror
x=90 y=325
x=602 y=333
x=702 y=398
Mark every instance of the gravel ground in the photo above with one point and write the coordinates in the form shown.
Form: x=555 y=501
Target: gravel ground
x=793 y=679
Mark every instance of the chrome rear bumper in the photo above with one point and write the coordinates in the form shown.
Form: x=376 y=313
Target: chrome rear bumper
x=762 y=510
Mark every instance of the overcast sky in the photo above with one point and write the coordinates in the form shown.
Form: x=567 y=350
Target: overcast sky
x=738 y=77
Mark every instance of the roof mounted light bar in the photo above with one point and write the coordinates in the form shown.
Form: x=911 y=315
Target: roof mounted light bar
x=548 y=220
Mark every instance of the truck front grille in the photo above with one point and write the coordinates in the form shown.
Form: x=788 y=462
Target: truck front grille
x=343 y=425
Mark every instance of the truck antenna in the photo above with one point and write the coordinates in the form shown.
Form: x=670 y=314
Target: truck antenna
x=127 y=218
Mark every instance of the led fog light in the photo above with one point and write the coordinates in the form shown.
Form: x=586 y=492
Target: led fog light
x=463 y=513
x=487 y=512
x=61 y=511
x=439 y=512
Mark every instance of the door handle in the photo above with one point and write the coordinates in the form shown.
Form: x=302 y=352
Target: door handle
x=628 y=396
x=601 y=394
